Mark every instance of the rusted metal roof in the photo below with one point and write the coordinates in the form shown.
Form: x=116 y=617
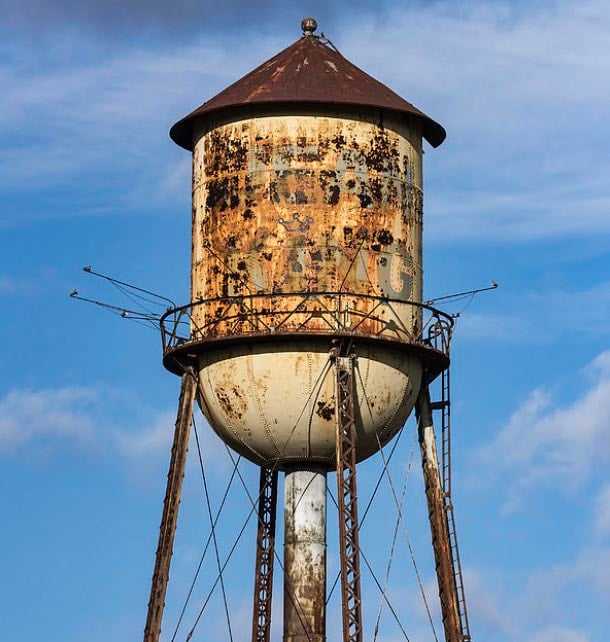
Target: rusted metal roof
x=308 y=71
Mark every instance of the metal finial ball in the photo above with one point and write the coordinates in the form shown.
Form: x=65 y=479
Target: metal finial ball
x=308 y=25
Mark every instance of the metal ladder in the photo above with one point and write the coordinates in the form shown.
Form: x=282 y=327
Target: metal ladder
x=445 y=407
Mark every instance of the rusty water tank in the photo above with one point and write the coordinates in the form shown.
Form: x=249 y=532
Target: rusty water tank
x=307 y=226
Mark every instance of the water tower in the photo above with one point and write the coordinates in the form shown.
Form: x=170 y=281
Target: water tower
x=306 y=341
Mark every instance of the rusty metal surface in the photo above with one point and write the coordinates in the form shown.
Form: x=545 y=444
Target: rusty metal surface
x=171 y=504
x=347 y=494
x=247 y=384
x=308 y=226
x=306 y=204
x=305 y=555
x=265 y=550
x=441 y=541
x=275 y=402
x=307 y=72
x=317 y=313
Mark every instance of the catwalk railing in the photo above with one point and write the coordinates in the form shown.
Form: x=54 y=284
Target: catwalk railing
x=312 y=313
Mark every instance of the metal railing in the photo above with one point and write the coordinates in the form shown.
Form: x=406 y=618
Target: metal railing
x=315 y=313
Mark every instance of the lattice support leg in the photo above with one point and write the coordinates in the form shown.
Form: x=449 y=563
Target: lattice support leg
x=265 y=551
x=347 y=497
x=171 y=503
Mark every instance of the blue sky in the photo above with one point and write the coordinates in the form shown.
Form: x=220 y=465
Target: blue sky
x=519 y=193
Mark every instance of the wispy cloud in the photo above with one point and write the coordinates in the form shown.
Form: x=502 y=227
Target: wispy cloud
x=15 y=285
x=507 y=604
x=155 y=438
x=544 y=441
x=99 y=422
x=162 y=18
x=92 y=420
x=96 y=125
x=57 y=415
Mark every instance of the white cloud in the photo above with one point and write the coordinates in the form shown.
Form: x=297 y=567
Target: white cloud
x=108 y=111
x=546 y=443
x=96 y=420
x=507 y=604
x=99 y=421
x=563 y=445
x=59 y=415
x=7 y=284
x=484 y=604
x=14 y=285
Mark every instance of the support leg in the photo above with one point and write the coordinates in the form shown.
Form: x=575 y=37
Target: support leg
x=438 y=519
x=171 y=503
x=348 y=500
x=265 y=550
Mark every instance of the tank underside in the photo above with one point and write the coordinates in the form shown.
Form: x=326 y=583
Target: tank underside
x=275 y=403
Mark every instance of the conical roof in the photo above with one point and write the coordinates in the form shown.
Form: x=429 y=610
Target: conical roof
x=310 y=71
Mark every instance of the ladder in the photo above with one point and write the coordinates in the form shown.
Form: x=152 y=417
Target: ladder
x=444 y=405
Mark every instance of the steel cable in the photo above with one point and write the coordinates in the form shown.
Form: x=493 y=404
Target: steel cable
x=394 y=536
x=383 y=595
x=209 y=595
x=391 y=483
x=370 y=503
x=214 y=538
x=293 y=598
x=205 y=550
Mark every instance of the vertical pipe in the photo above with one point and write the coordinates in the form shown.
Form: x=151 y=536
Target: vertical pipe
x=160 y=578
x=305 y=554
x=438 y=519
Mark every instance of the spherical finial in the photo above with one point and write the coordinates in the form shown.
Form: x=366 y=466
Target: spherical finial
x=308 y=25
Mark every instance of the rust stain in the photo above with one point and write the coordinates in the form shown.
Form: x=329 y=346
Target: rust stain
x=325 y=410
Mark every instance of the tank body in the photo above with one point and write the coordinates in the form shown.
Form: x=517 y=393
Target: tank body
x=302 y=221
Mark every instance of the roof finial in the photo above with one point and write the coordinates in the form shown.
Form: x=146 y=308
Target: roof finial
x=308 y=25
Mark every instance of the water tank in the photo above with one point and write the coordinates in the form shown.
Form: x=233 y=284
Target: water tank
x=306 y=230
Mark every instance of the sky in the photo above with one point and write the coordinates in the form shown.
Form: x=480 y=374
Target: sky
x=518 y=193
